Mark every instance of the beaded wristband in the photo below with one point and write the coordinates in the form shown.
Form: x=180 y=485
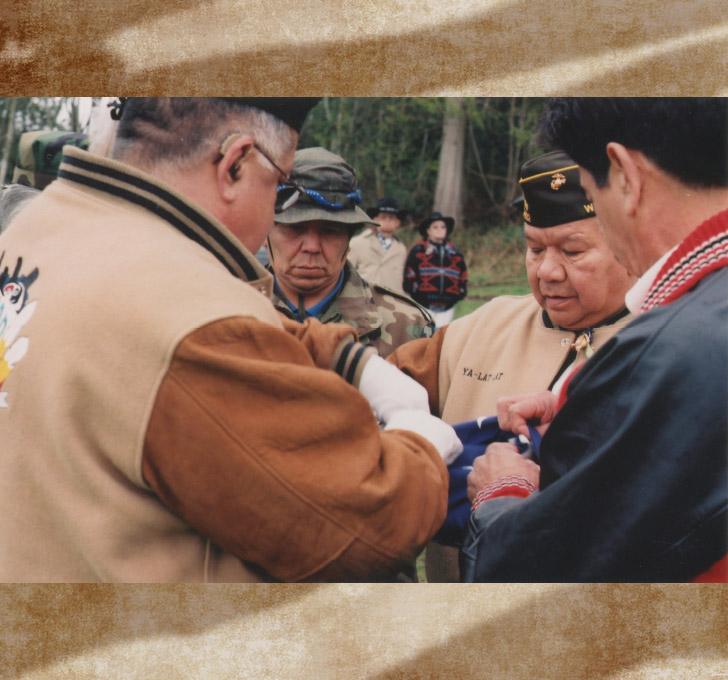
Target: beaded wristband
x=505 y=486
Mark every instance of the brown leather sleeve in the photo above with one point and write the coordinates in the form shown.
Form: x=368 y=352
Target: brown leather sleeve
x=420 y=359
x=283 y=464
x=321 y=340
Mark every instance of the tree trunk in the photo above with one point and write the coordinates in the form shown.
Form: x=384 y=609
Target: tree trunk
x=449 y=189
x=75 y=124
x=9 y=137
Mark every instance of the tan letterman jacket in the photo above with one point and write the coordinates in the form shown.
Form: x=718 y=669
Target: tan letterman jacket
x=159 y=423
x=502 y=348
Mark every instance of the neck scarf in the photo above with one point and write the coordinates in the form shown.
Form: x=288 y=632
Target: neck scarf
x=301 y=312
x=386 y=242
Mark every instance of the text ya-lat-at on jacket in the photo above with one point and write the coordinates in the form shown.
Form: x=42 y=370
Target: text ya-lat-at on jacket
x=145 y=376
x=504 y=347
x=634 y=474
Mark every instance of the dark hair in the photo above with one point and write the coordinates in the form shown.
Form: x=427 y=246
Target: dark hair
x=686 y=137
x=178 y=128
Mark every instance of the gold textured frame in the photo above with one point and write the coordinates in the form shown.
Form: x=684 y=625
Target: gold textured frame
x=369 y=48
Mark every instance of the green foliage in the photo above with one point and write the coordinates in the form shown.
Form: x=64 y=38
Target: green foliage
x=501 y=136
x=394 y=145
x=23 y=114
x=495 y=260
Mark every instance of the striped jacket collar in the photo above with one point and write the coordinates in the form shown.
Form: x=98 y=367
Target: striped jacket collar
x=703 y=251
x=144 y=190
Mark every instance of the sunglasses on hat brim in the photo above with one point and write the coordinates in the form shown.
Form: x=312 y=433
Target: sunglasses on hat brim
x=290 y=193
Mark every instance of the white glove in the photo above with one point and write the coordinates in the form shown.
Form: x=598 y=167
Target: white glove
x=440 y=434
x=388 y=390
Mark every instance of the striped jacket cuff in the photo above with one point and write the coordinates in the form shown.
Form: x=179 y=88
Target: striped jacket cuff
x=350 y=358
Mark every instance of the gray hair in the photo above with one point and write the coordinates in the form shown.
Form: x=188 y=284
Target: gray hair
x=180 y=131
x=14 y=198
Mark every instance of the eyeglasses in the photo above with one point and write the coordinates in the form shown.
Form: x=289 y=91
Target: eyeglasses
x=287 y=181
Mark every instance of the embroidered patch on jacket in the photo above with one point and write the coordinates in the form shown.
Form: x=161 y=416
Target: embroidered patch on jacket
x=14 y=314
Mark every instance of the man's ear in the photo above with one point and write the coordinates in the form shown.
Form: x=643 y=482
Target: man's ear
x=234 y=151
x=626 y=175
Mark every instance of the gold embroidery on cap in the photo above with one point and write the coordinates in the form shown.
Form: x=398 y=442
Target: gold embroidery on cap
x=526 y=215
x=557 y=181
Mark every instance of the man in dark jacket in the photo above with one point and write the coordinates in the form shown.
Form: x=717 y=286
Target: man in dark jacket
x=633 y=480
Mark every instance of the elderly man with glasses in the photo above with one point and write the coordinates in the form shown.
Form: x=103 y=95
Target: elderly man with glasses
x=145 y=375
x=317 y=212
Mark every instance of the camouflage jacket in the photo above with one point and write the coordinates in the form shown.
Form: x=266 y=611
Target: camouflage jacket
x=382 y=317
x=39 y=155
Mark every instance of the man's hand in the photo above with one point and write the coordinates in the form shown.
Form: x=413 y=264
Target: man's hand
x=500 y=460
x=388 y=390
x=515 y=412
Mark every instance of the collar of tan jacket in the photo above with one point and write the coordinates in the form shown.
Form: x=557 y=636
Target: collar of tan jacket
x=146 y=191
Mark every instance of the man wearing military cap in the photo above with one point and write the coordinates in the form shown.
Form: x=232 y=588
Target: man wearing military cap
x=308 y=246
x=517 y=344
x=633 y=477
x=145 y=374
x=377 y=254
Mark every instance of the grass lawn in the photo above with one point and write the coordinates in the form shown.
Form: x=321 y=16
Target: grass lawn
x=495 y=260
x=496 y=266
x=480 y=295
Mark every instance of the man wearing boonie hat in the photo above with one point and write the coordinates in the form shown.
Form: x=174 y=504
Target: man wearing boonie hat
x=308 y=246
x=160 y=420
x=377 y=254
x=518 y=344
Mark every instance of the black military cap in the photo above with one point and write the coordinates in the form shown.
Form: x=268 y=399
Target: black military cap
x=552 y=191
x=291 y=110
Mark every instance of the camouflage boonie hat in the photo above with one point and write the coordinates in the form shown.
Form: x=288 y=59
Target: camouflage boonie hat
x=39 y=156
x=331 y=191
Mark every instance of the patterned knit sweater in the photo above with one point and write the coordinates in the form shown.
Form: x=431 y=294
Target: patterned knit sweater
x=435 y=275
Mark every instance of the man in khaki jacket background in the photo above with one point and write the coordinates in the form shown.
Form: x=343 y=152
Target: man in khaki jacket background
x=144 y=375
x=517 y=344
x=378 y=255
